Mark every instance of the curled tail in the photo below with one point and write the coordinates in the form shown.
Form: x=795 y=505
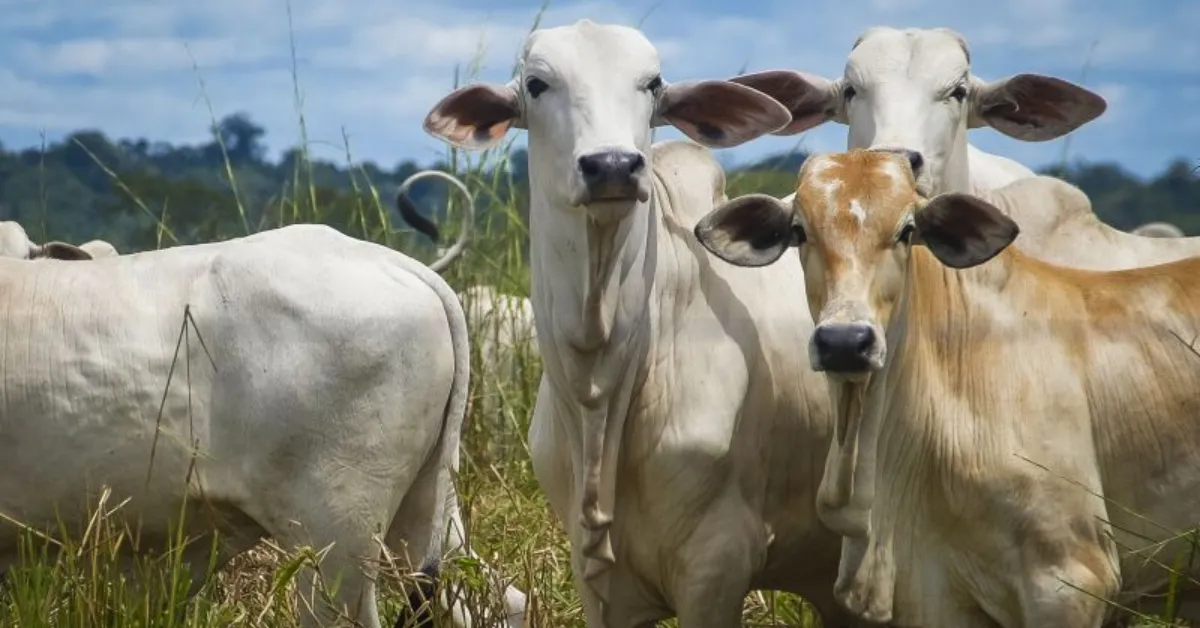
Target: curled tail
x=408 y=211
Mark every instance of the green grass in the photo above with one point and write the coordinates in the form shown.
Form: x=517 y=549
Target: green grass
x=77 y=580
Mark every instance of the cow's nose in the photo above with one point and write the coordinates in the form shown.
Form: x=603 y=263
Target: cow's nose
x=611 y=174
x=916 y=160
x=844 y=348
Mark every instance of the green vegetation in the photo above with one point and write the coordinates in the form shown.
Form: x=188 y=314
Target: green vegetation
x=142 y=195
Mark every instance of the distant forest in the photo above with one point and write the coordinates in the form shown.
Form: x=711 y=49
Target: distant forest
x=89 y=186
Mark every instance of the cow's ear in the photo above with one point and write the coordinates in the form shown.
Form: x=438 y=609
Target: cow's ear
x=476 y=117
x=751 y=230
x=963 y=231
x=811 y=100
x=63 y=251
x=1032 y=107
x=719 y=114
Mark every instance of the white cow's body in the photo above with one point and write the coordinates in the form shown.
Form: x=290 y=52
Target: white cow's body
x=1158 y=230
x=316 y=396
x=504 y=333
x=677 y=434
x=99 y=248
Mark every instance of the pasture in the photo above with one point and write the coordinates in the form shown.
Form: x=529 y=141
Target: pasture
x=76 y=582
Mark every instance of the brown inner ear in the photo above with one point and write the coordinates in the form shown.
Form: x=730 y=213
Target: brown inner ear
x=484 y=111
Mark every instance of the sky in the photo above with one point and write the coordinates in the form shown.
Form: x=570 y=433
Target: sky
x=371 y=69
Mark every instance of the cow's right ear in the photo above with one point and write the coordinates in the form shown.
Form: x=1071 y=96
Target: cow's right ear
x=963 y=231
x=812 y=100
x=752 y=230
x=62 y=251
x=476 y=117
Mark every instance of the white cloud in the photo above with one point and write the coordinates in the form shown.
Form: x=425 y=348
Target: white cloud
x=376 y=66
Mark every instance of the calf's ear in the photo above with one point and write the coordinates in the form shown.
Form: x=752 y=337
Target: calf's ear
x=752 y=230
x=719 y=114
x=963 y=231
x=477 y=116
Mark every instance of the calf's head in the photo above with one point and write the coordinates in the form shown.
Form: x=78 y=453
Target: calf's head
x=912 y=91
x=855 y=218
x=590 y=95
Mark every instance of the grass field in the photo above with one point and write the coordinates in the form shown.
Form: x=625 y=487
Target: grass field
x=80 y=584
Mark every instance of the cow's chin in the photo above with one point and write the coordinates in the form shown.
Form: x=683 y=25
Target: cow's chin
x=853 y=378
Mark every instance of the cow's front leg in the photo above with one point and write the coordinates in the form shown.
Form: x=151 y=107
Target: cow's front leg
x=715 y=566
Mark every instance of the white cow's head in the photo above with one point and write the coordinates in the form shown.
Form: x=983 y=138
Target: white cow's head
x=590 y=95
x=855 y=216
x=15 y=243
x=912 y=90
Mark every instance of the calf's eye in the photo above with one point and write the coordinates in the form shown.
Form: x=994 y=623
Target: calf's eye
x=906 y=234
x=535 y=86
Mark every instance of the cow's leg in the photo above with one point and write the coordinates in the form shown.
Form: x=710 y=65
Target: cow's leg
x=318 y=511
x=1071 y=593
x=718 y=561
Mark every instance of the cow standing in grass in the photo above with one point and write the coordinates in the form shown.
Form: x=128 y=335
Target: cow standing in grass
x=1005 y=432
x=315 y=387
x=677 y=432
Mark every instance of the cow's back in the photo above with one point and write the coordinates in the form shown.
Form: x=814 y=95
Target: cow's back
x=292 y=354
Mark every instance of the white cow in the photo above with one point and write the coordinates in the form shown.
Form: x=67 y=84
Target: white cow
x=502 y=323
x=99 y=248
x=15 y=243
x=315 y=388
x=1158 y=230
x=677 y=432
x=912 y=90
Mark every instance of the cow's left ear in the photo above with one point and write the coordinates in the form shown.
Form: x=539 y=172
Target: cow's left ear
x=719 y=114
x=62 y=251
x=963 y=231
x=752 y=230
x=1032 y=107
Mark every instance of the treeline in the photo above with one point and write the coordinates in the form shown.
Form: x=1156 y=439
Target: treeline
x=142 y=194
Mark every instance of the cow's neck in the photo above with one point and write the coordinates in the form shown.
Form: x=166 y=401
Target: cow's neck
x=956 y=168
x=592 y=295
x=592 y=284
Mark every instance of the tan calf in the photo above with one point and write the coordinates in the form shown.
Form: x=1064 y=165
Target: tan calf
x=998 y=423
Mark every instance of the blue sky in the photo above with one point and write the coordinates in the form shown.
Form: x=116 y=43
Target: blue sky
x=374 y=67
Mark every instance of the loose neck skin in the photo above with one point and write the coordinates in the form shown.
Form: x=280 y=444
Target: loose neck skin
x=593 y=284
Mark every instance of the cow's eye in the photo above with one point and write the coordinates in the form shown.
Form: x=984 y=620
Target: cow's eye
x=848 y=92
x=536 y=86
x=798 y=235
x=655 y=84
x=959 y=93
x=906 y=234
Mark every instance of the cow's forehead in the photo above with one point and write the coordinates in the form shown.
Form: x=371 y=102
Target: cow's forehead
x=915 y=52
x=858 y=191
x=594 y=49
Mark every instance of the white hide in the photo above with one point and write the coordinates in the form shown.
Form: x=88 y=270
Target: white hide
x=317 y=395
x=678 y=432
x=1158 y=230
x=99 y=248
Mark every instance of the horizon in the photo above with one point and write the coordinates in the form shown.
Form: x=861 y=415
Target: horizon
x=125 y=69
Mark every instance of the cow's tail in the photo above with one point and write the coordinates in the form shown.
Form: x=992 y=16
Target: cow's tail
x=408 y=211
x=449 y=535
